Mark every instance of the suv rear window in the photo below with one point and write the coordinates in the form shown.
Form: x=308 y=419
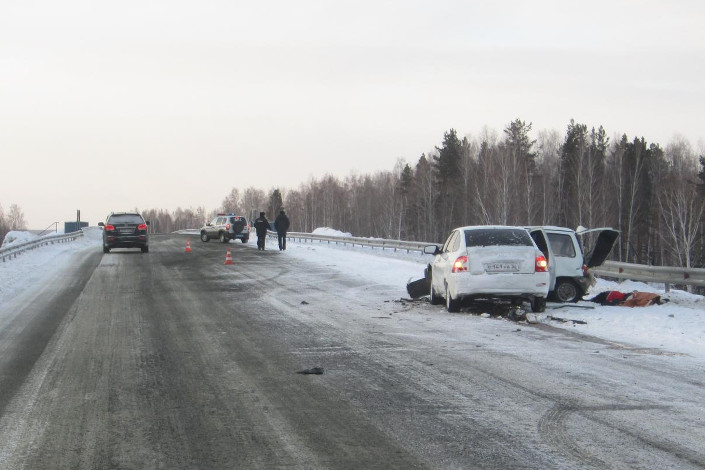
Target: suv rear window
x=562 y=245
x=126 y=219
x=497 y=237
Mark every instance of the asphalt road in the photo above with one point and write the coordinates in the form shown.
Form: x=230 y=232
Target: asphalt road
x=173 y=360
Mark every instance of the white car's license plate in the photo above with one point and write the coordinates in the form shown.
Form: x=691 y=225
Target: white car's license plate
x=503 y=267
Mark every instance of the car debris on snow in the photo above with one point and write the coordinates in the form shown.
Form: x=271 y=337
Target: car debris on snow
x=418 y=288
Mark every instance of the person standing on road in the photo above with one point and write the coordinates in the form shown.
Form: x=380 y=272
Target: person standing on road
x=281 y=224
x=261 y=227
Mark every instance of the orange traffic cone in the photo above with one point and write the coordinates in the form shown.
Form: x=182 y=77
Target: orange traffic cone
x=228 y=257
x=188 y=245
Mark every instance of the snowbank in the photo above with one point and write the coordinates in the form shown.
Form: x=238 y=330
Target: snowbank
x=15 y=236
x=329 y=232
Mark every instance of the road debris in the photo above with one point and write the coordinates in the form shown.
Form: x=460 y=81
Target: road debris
x=567 y=320
x=314 y=371
x=417 y=288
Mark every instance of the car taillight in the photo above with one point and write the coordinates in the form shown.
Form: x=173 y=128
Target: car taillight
x=227 y=226
x=461 y=264
x=142 y=227
x=109 y=228
x=541 y=264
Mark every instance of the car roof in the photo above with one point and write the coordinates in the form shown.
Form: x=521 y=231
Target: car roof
x=552 y=228
x=492 y=227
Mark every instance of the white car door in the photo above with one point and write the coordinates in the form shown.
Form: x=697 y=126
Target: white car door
x=442 y=265
x=542 y=242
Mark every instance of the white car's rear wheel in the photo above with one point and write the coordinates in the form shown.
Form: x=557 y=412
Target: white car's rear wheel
x=452 y=305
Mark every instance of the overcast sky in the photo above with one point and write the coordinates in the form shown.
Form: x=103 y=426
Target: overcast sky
x=166 y=104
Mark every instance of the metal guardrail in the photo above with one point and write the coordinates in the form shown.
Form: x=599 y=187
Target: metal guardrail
x=15 y=249
x=359 y=241
x=613 y=269
x=637 y=272
x=659 y=274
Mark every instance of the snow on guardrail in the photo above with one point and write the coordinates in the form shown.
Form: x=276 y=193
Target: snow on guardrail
x=636 y=272
x=14 y=249
x=359 y=241
x=660 y=274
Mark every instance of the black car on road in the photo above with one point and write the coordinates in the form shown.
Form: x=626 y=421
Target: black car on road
x=125 y=230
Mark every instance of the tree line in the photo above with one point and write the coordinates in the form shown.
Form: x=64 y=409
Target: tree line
x=654 y=196
x=13 y=220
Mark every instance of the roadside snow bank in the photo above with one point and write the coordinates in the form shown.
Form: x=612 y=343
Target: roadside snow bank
x=15 y=236
x=330 y=232
x=677 y=325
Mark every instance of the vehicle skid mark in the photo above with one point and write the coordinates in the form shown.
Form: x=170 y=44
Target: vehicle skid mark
x=552 y=425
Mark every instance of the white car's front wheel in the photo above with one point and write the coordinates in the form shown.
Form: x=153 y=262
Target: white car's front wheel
x=432 y=297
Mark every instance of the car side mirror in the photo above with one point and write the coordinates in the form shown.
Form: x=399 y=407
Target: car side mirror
x=147 y=222
x=431 y=250
x=101 y=224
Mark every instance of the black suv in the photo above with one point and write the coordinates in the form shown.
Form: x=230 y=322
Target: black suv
x=125 y=230
x=226 y=227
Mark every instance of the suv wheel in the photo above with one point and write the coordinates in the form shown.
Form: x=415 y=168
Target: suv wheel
x=223 y=238
x=245 y=240
x=204 y=237
x=566 y=291
x=145 y=249
x=106 y=249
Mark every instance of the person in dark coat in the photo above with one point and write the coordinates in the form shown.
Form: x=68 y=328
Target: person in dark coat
x=261 y=227
x=281 y=225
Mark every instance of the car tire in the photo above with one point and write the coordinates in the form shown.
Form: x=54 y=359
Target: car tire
x=222 y=238
x=432 y=297
x=145 y=249
x=538 y=305
x=566 y=291
x=245 y=240
x=452 y=305
x=106 y=249
x=204 y=237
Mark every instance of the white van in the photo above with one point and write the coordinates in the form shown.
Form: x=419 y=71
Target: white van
x=568 y=268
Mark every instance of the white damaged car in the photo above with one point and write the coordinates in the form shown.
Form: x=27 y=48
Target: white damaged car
x=488 y=262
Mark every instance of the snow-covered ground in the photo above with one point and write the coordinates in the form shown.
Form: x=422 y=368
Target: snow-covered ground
x=676 y=326
x=40 y=264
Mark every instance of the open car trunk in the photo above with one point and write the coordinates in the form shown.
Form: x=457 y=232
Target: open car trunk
x=603 y=246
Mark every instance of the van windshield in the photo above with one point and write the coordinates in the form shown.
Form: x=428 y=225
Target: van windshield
x=498 y=237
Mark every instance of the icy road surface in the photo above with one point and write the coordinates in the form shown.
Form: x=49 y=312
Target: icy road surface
x=175 y=360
